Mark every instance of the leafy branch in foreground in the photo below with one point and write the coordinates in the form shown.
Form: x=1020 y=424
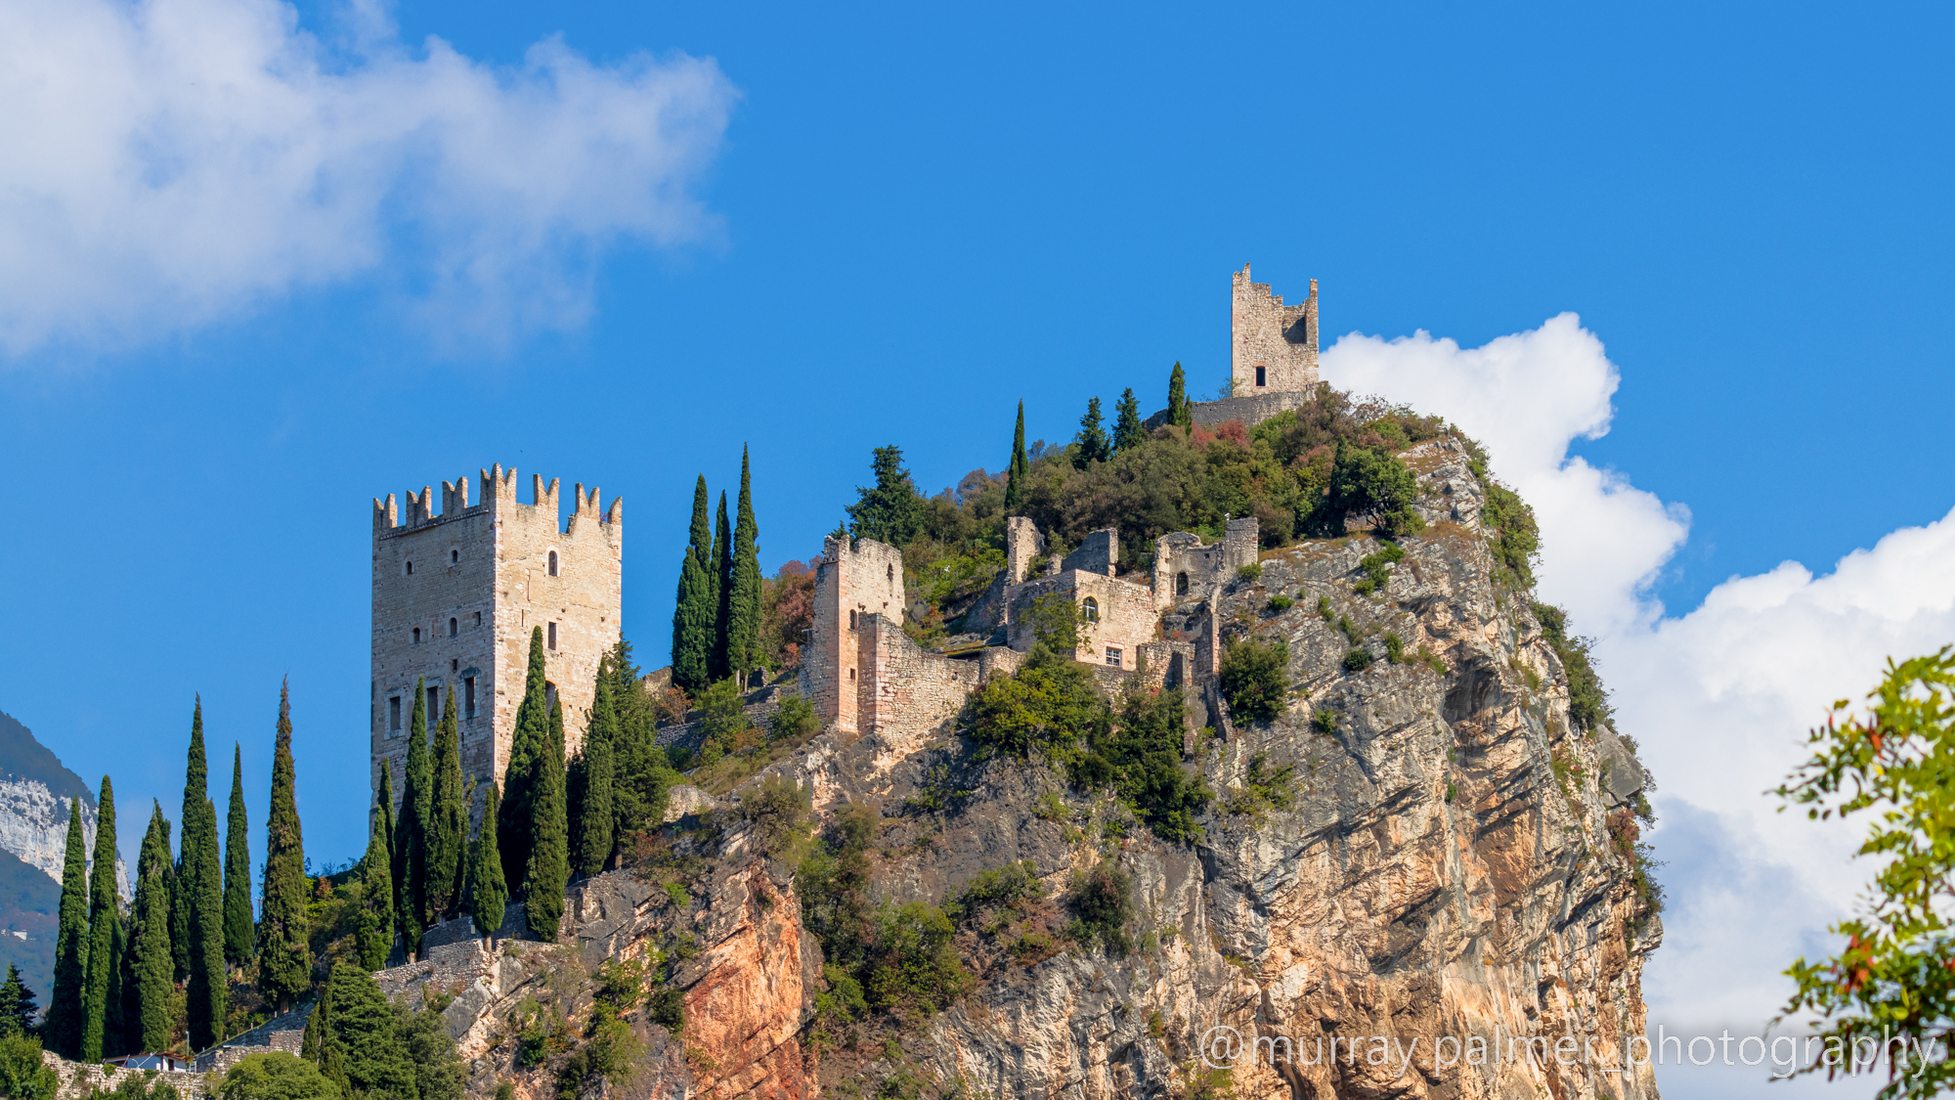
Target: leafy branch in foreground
x=1889 y=994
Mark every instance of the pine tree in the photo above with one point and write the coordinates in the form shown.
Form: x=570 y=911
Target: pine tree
x=487 y=891
x=151 y=961
x=62 y=1032
x=1015 y=472
x=237 y=870
x=104 y=914
x=374 y=934
x=743 y=604
x=641 y=770
x=549 y=858
x=1180 y=412
x=412 y=827
x=1127 y=429
x=448 y=837
x=593 y=819
x=200 y=894
x=16 y=1005
x=695 y=616
x=284 y=953
x=1091 y=445
x=526 y=749
x=358 y=1042
x=722 y=593
x=891 y=511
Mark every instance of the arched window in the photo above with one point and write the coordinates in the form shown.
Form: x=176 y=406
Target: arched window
x=409 y=570
x=1090 y=608
x=892 y=571
x=454 y=627
x=1181 y=584
x=553 y=563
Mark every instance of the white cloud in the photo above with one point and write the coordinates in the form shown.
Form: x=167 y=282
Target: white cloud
x=173 y=162
x=1719 y=697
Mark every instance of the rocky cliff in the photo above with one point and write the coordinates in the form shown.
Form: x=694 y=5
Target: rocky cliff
x=1420 y=879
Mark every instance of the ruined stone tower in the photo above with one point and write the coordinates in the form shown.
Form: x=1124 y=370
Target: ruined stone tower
x=456 y=595
x=1273 y=347
x=854 y=579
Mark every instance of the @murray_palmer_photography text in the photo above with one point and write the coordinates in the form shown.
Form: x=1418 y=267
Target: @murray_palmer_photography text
x=1304 y=551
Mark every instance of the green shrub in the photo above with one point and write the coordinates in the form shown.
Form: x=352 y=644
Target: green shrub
x=1099 y=907
x=1049 y=706
x=1281 y=602
x=1349 y=629
x=1588 y=701
x=1366 y=483
x=1250 y=573
x=1255 y=678
x=1376 y=569
x=914 y=969
x=1516 y=539
x=1324 y=609
x=276 y=1075
x=22 y=1073
x=1394 y=648
x=1324 y=720
x=794 y=719
x=1357 y=659
x=722 y=718
x=777 y=811
x=1263 y=788
x=1012 y=888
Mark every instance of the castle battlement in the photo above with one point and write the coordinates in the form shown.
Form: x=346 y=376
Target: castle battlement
x=391 y=517
x=1272 y=345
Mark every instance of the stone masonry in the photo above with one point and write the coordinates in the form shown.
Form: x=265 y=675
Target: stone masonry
x=456 y=596
x=1272 y=347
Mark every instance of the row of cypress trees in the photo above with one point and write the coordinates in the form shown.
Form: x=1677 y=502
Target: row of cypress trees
x=716 y=623
x=118 y=975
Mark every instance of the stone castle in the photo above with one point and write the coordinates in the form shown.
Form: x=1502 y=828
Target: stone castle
x=456 y=596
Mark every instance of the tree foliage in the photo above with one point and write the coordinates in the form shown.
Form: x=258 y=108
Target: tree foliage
x=448 y=826
x=1016 y=469
x=1091 y=445
x=593 y=816
x=487 y=893
x=526 y=751
x=65 y=1001
x=276 y=1075
x=696 y=613
x=1369 y=483
x=1181 y=412
x=104 y=932
x=413 y=827
x=373 y=936
x=23 y=1075
x=1889 y=988
x=548 y=870
x=1588 y=701
x=743 y=596
x=152 y=963
x=891 y=510
x=17 y=1004
x=358 y=1041
x=238 y=930
x=1127 y=429
x=284 y=947
x=200 y=892
x=1255 y=678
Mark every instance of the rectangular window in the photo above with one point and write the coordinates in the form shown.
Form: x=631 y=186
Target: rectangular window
x=394 y=714
x=434 y=703
x=478 y=620
x=1113 y=655
x=552 y=643
x=1262 y=376
x=468 y=695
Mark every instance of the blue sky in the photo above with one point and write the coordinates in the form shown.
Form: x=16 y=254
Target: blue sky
x=887 y=225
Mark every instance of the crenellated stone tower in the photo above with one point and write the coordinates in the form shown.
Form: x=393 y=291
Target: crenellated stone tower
x=456 y=595
x=1273 y=347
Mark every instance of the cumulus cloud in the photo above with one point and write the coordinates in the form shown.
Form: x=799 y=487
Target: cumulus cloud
x=174 y=162
x=1719 y=697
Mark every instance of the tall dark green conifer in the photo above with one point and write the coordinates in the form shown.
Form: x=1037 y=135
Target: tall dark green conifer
x=284 y=952
x=373 y=934
x=549 y=857
x=17 y=1005
x=743 y=603
x=591 y=782
x=487 y=891
x=697 y=612
x=1091 y=445
x=1015 y=472
x=151 y=978
x=200 y=893
x=526 y=751
x=238 y=948
x=891 y=510
x=412 y=827
x=391 y=827
x=62 y=1032
x=1180 y=412
x=641 y=770
x=358 y=1042
x=1127 y=429
x=722 y=593
x=448 y=836
x=104 y=915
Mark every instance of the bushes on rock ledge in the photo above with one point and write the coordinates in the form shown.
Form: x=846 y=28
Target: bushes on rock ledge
x=1255 y=678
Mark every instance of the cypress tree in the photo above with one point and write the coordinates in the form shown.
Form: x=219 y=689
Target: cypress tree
x=16 y=1005
x=448 y=837
x=359 y=1041
x=743 y=603
x=237 y=870
x=116 y=1004
x=411 y=829
x=151 y=962
x=388 y=825
x=373 y=937
x=641 y=771
x=694 y=618
x=284 y=953
x=183 y=906
x=1018 y=468
x=1180 y=412
x=62 y=1031
x=591 y=797
x=1091 y=444
x=549 y=858
x=1127 y=430
x=526 y=750
x=722 y=594
x=487 y=891
x=104 y=914
x=200 y=893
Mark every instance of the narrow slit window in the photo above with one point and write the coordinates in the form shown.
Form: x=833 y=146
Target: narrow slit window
x=553 y=563
x=468 y=695
x=477 y=624
x=417 y=635
x=434 y=702
x=454 y=627
x=552 y=642
x=454 y=557
x=408 y=569
x=1262 y=376
x=393 y=714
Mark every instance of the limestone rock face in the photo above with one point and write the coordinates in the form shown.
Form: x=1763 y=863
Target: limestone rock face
x=1436 y=897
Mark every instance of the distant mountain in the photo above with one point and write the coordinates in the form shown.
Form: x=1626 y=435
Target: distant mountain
x=35 y=791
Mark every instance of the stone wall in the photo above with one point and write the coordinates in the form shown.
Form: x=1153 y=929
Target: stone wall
x=1265 y=335
x=853 y=578
x=1099 y=552
x=79 y=1080
x=905 y=690
x=456 y=596
x=1124 y=615
x=1185 y=569
x=1023 y=545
